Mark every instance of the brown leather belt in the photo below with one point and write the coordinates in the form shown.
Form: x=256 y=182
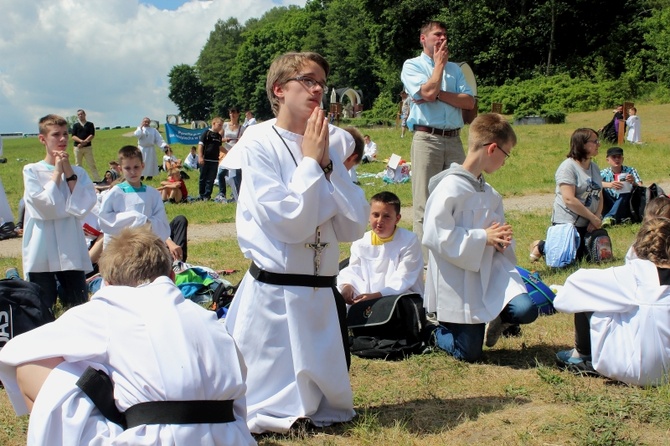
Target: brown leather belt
x=438 y=132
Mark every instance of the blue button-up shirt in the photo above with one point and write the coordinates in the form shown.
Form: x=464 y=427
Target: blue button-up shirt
x=415 y=73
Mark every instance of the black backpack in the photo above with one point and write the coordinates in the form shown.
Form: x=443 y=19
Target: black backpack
x=598 y=246
x=21 y=308
x=639 y=197
x=389 y=327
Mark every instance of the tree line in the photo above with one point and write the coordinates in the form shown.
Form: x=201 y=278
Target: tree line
x=505 y=42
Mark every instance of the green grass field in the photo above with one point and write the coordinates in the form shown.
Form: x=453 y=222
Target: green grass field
x=515 y=395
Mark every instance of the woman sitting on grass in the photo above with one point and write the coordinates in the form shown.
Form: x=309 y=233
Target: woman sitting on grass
x=578 y=199
x=622 y=314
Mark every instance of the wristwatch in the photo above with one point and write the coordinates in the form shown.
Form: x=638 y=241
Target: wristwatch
x=328 y=168
x=72 y=178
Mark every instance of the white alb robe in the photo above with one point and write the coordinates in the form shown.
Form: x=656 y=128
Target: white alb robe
x=126 y=207
x=155 y=345
x=467 y=282
x=290 y=336
x=630 y=325
x=395 y=267
x=147 y=138
x=53 y=238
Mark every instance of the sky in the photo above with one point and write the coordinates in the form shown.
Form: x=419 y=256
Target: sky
x=108 y=57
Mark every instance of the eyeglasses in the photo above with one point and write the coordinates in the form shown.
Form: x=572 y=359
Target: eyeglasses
x=594 y=141
x=501 y=149
x=309 y=83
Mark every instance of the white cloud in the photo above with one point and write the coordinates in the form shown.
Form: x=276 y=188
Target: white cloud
x=109 y=57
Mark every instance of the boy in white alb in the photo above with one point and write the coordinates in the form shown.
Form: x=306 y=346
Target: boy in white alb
x=471 y=278
x=132 y=203
x=633 y=123
x=297 y=204
x=387 y=260
x=157 y=347
x=57 y=195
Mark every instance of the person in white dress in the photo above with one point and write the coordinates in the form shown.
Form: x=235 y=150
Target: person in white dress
x=139 y=331
x=471 y=278
x=147 y=138
x=57 y=195
x=387 y=260
x=370 y=150
x=622 y=314
x=298 y=203
x=633 y=123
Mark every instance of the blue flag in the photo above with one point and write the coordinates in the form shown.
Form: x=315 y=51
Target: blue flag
x=181 y=135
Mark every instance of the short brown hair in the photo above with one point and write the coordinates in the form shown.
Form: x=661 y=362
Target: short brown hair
x=426 y=27
x=49 y=121
x=129 y=152
x=488 y=128
x=135 y=256
x=359 y=143
x=578 y=142
x=286 y=66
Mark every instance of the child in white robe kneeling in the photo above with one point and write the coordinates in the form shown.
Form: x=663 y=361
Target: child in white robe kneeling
x=471 y=278
x=622 y=314
x=387 y=260
x=155 y=345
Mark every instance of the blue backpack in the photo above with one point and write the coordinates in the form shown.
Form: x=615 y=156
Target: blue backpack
x=560 y=246
x=538 y=291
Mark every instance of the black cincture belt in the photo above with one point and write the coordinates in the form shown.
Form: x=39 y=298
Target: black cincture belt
x=438 y=132
x=97 y=385
x=292 y=279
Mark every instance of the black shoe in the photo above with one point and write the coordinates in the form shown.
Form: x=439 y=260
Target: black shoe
x=149 y=178
x=141 y=178
x=513 y=331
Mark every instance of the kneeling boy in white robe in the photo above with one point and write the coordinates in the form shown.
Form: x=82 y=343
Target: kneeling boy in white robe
x=472 y=279
x=296 y=204
x=387 y=260
x=155 y=345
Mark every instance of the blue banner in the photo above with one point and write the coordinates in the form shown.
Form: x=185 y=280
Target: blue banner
x=181 y=135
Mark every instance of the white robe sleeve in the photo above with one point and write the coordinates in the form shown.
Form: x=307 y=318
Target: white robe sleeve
x=463 y=247
x=353 y=273
x=408 y=271
x=113 y=217
x=50 y=202
x=596 y=290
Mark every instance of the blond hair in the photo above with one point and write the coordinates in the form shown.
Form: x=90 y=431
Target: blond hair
x=216 y=119
x=490 y=128
x=286 y=66
x=49 y=121
x=135 y=256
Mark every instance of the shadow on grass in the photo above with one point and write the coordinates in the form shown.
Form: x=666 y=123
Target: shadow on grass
x=416 y=417
x=527 y=357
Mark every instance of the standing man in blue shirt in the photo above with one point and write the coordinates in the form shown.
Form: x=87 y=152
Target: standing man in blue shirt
x=439 y=92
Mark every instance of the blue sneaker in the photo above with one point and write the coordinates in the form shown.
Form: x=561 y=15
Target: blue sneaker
x=578 y=365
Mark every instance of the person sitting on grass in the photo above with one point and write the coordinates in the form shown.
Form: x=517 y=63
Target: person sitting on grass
x=170 y=161
x=618 y=181
x=622 y=314
x=471 y=278
x=173 y=189
x=132 y=332
x=387 y=260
